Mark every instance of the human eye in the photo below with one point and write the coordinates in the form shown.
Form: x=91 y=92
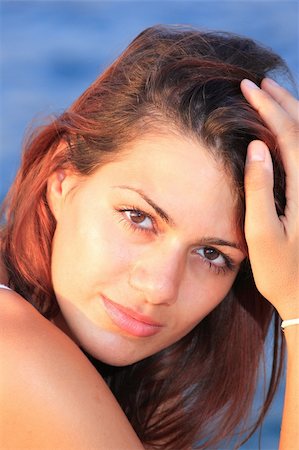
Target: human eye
x=138 y=219
x=216 y=260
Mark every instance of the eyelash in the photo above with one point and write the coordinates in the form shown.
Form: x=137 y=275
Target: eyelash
x=219 y=270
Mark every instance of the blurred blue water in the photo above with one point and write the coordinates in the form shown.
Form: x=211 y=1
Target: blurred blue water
x=52 y=50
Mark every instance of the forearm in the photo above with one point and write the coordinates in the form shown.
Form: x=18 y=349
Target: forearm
x=289 y=438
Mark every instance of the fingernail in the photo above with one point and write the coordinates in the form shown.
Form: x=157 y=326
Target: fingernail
x=249 y=84
x=256 y=153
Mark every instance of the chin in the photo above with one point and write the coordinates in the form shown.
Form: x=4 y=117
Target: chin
x=118 y=362
x=118 y=357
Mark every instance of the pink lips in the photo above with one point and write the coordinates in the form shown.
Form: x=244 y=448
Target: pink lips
x=130 y=321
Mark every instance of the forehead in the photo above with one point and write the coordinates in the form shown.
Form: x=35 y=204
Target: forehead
x=183 y=174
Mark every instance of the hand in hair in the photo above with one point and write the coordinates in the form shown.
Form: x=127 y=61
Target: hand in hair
x=274 y=241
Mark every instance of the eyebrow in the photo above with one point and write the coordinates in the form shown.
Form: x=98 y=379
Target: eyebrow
x=166 y=218
x=220 y=242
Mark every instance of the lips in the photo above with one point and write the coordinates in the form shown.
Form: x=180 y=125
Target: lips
x=130 y=321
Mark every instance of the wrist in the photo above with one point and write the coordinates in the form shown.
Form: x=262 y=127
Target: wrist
x=291 y=335
x=289 y=308
x=289 y=313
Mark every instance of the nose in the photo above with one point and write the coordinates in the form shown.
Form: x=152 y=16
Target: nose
x=158 y=274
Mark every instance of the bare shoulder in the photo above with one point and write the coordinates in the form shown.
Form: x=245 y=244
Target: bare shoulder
x=27 y=335
x=51 y=396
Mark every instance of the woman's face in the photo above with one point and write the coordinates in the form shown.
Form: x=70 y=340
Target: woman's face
x=144 y=248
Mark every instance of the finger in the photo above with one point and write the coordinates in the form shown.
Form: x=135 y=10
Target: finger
x=261 y=220
x=279 y=121
x=281 y=124
x=283 y=97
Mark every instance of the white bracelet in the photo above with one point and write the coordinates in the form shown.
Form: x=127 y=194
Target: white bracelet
x=287 y=323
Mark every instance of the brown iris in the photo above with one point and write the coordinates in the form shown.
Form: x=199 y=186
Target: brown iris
x=137 y=216
x=211 y=253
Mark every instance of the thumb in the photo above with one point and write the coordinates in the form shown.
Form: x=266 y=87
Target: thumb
x=260 y=219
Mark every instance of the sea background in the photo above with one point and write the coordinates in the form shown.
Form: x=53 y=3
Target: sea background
x=52 y=50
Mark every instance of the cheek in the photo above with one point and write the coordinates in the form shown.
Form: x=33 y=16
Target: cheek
x=88 y=253
x=202 y=296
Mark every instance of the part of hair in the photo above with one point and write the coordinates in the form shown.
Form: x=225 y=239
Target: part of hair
x=198 y=392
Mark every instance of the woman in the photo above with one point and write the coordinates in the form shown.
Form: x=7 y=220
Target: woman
x=125 y=233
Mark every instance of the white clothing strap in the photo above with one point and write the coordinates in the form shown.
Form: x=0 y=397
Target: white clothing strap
x=4 y=287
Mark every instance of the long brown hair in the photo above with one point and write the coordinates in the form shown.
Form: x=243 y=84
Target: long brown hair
x=199 y=391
